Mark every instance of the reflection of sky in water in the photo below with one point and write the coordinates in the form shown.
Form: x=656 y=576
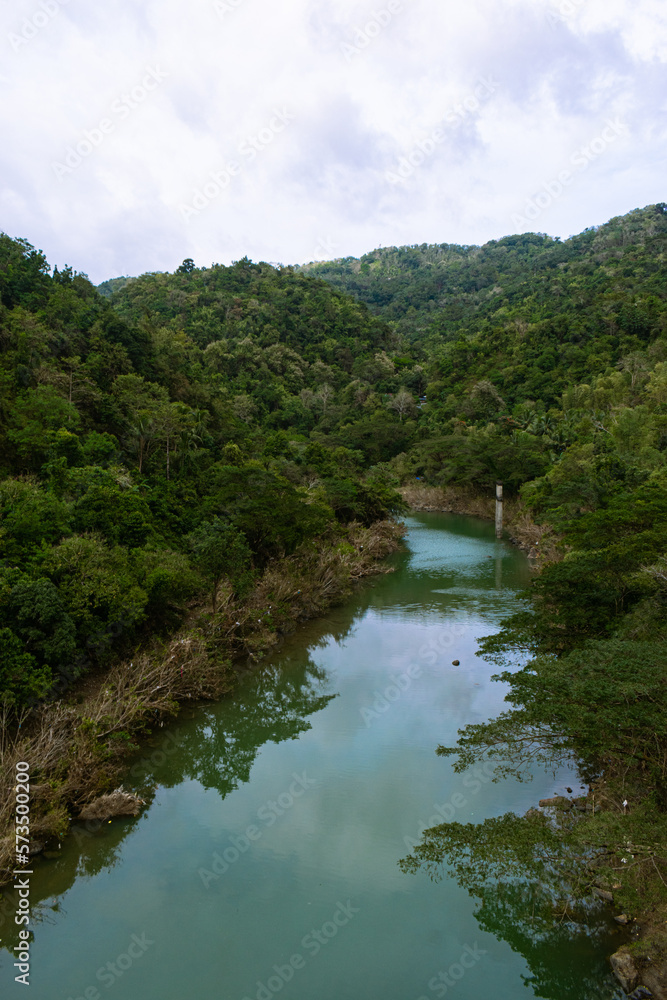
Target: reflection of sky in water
x=377 y=782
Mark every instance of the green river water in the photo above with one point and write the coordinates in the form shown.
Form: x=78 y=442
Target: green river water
x=265 y=863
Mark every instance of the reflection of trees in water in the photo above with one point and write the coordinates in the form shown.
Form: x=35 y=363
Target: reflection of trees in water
x=92 y=848
x=220 y=751
x=565 y=955
x=527 y=899
x=217 y=749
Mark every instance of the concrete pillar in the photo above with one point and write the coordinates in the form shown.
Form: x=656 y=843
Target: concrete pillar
x=499 y=510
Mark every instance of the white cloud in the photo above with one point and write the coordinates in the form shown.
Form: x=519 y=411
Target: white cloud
x=365 y=84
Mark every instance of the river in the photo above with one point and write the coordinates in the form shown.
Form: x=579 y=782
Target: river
x=265 y=863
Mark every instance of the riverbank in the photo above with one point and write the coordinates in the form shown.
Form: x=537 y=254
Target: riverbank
x=538 y=541
x=348 y=710
x=641 y=964
x=77 y=747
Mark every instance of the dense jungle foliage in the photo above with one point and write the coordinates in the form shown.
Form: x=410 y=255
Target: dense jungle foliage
x=546 y=366
x=153 y=448
x=166 y=432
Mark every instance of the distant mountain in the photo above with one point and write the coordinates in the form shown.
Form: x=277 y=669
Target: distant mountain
x=440 y=287
x=111 y=285
x=530 y=313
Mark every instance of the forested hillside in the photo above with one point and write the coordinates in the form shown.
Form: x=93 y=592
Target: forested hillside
x=152 y=448
x=264 y=402
x=169 y=432
x=546 y=366
x=575 y=288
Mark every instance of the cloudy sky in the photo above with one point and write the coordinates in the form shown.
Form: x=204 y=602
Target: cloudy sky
x=136 y=133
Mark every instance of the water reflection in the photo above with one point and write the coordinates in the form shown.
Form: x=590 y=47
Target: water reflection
x=564 y=953
x=217 y=748
x=373 y=782
x=220 y=751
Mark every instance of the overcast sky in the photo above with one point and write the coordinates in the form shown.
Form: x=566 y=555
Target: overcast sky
x=136 y=133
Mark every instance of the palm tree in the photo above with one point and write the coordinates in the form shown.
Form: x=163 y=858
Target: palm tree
x=143 y=432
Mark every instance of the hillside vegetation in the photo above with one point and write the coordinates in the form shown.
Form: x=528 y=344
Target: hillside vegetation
x=545 y=365
x=154 y=447
x=167 y=439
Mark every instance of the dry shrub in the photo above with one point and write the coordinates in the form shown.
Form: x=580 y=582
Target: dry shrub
x=373 y=544
x=539 y=540
x=451 y=499
x=314 y=579
x=301 y=586
x=279 y=584
x=70 y=748
x=117 y=803
x=153 y=683
x=44 y=741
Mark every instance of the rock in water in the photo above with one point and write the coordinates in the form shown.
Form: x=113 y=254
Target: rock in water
x=558 y=801
x=624 y=969
x=118 y=803
x=456 y=663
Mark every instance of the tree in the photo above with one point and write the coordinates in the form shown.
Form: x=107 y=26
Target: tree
x=170 y=421
x=245 y=407
x=187 y=267
x=323 y=397
x=403 y=403
x=484 y=400
x=99 y=588
x=221 y=551
x=35 y=418
x=142 y=433
x=23 y=273
x=37 y=614
x=72 y=382
x=144 y=405
x=273 y=515
x=120 y=515
x=22 y=678
x=29 y=516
